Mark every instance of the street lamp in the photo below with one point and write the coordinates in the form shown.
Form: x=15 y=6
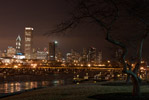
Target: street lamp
x=55 y=42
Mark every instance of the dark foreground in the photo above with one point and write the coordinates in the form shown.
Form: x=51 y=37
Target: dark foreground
x=119 y=96
x=83 y=91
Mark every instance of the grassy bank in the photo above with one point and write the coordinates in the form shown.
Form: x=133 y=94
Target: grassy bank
x=84 y=91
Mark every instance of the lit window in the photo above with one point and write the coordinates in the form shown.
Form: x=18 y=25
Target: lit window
x=27 y=44
x=27 y=39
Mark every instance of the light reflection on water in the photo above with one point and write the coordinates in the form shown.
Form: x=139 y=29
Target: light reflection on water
x=11 y=87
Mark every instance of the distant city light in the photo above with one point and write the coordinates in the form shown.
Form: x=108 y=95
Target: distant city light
x=101 y=65
x=19 y=64
x=19 y=54
x=108 y=61
x=89 y=65
x=141 y=68
x=6 y=64
x=34 y=65
x=15 y=66
x=142 y=62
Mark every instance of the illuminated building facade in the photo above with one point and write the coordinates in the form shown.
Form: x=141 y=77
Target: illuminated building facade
x=28 y=42
x=19 y=56
x=42 y=55
x=68 y=57
x=84 y=56
x=11 y=52
x=99 y=57
x=18 y=44
x=58 y=56
x=73 y=57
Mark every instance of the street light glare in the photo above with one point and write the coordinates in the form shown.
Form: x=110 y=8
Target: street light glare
x=56 y=42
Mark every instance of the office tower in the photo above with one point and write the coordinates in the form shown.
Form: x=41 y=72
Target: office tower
x=68 y=57
x=84 y=56
x=18 y=44
x=92 y=55
x=28 y=42
x=99 y=57
x=52 y=50
x=4 y=53
x=58 y=56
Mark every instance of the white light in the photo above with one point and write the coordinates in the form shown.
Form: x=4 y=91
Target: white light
x=56 y=42
x=29 y=28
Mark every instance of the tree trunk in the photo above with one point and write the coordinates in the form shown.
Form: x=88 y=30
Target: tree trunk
x=136 y=87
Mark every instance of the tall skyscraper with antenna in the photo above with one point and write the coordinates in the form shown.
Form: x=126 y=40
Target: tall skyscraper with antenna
x=18 y=44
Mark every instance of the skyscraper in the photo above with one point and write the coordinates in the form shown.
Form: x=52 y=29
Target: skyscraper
x=18 y=44
x=52 y=50
x=99 y=57
x=84 y=56
x=28 y=42
x=92 y=55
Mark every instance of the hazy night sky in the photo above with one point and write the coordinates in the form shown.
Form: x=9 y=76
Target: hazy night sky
x=43 y=15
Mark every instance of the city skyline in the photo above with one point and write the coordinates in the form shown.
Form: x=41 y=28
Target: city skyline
x=43 y=17
x=52 y=52
x=22 y=40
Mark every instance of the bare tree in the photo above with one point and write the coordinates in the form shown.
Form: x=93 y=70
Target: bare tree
x=105 y=13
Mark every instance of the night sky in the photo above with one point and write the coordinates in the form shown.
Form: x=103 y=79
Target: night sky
x=43 y=15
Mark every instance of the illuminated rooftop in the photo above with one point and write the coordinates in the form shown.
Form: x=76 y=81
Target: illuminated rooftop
x=29 y=28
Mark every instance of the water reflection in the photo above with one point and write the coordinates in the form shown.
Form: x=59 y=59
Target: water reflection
x=58 y=82
x=20 y=86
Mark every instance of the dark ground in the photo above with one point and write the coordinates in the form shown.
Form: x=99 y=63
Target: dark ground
x=120 y=96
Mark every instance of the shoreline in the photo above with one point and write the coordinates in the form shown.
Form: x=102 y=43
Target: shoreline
x=5 y=95
x=82 y=91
